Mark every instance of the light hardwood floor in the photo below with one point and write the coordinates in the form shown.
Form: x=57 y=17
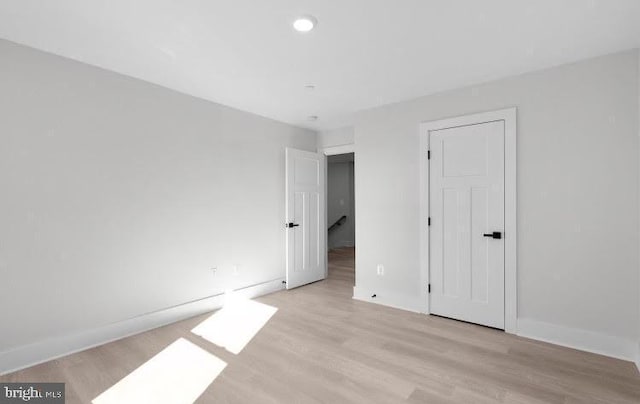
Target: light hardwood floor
x=323 y=347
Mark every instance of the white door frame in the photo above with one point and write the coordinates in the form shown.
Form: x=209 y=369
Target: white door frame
x=341 y=149
x=332 y=151
x=510 y=251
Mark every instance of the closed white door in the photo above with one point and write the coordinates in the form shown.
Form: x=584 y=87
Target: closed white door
x=306 y=225
x=466 y=206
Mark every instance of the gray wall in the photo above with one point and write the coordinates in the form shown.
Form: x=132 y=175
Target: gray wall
x=118 y=196
x=577 y=191
x=336 y=137
x=340 y=201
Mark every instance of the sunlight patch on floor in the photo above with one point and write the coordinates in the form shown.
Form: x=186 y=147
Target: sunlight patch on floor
x=179 y=374
x=233 y=326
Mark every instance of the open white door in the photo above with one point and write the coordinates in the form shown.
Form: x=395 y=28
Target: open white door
x=467 y=223
x=305 y=215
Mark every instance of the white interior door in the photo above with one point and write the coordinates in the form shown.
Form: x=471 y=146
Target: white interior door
x=306 y=224
x=466 y=207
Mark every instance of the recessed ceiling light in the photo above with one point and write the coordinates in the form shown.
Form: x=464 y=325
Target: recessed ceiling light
x=305 y=23
x=312 y=118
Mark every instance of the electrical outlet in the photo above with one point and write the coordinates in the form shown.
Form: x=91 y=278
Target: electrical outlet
x=235 y=269
x=380 y=270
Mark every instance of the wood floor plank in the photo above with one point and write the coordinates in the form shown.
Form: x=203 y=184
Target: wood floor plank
x=321 y=346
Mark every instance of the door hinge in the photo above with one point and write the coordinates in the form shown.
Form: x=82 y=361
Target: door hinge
x=429 y=221
x=428 y=154
x=429 y=288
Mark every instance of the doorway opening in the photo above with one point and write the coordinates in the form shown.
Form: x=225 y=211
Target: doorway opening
x=341 y=218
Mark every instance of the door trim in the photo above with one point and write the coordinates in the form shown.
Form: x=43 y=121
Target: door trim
x=340 y=149
x=333 y=151
x=509 y=117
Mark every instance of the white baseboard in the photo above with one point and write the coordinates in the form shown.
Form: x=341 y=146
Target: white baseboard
x=583 y=340
x=616 y=347
x=32 y=354
x=396 y=301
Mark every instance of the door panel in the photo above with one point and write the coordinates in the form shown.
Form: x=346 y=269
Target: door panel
x=298 y=235
x=467 y=202
x=451 y=222
x=479 y=253
x=305 y=200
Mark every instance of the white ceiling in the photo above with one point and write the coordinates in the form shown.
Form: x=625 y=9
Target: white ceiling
x=363 y=53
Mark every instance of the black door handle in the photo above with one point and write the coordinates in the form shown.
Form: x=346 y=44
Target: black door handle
x=495 y=234
x=290 y=225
